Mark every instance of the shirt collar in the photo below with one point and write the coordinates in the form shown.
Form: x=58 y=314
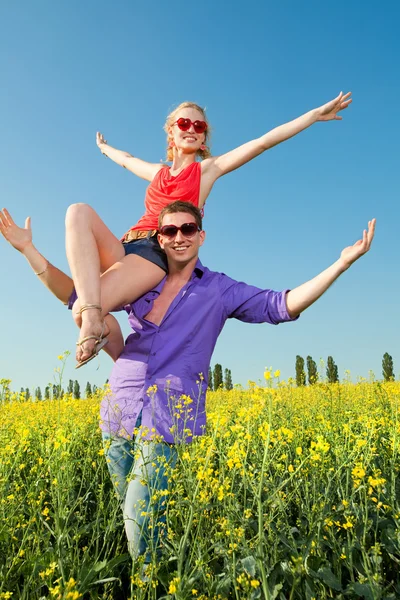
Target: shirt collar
x=198 y=272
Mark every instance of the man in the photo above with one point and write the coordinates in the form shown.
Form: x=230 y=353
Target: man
x=158 y=383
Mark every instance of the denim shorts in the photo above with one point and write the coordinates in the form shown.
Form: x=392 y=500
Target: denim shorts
x=148 y=248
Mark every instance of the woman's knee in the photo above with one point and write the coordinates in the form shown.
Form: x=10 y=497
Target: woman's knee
x=78 y=213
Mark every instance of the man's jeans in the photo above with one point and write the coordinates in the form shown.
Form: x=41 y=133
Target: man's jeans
x=139 y=469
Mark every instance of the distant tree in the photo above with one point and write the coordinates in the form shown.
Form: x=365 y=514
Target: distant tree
x=77 y=390
x=332 y=373
x=228 y=380
x=56 y=391
x=312 y=370
x=218 y=381
x=88 y=391
x=387 y=367
x=47 y=393
x=22 y=391
x=300 y=372
x=94 y=389
x=106 y=381
x=70 y=388
x=210 y=379
x=38 y=393
x=27 y=394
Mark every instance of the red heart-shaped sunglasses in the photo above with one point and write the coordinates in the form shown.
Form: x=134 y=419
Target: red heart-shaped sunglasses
x=185 y=125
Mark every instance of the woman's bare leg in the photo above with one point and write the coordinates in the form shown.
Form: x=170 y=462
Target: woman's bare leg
x=123 y=283
x=91 y=249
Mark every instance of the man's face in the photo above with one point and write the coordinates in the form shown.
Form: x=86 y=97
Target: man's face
x=180 y=249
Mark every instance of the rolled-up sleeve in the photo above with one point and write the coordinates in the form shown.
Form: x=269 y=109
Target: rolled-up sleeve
x=253 y=305
x=71 y=299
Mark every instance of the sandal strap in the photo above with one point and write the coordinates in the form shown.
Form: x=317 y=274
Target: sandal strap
x=89 y=306
x=98 y=338
x=89 y=337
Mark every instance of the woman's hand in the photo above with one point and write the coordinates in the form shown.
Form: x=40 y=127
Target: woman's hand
x=328 y=111
x=100 y=141
x=19 y=237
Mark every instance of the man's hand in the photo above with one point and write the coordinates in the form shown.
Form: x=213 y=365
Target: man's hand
x=306 y=294
x=20 y=238
x=328 y=112
x=352 y=253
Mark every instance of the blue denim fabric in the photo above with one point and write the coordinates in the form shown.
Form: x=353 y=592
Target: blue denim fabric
x=138 y=469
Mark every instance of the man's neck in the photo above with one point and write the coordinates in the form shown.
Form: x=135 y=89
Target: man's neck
x=181 y=272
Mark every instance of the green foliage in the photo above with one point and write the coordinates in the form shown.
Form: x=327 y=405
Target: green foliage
x=88 y=390
x=210 y=379
x=77 y=390
x=228 y=385
x=218 y=380
x=332 y=373
x=312 y=370
x=300 y=372
x=70 y=388
x=387 y=367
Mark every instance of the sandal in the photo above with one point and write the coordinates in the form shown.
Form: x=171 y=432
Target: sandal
x=101 y=341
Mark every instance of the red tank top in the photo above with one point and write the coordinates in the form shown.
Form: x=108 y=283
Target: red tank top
x=165 y=189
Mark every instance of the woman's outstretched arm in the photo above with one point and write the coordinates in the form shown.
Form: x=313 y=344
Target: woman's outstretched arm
x=138 y=167
x=20 y=238
x=220 y=165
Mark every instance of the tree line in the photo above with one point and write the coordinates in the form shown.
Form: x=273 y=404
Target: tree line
x=54 y=392
x=218 y=378
x=332 y=372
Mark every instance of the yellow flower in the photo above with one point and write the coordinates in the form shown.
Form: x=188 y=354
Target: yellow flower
x=173 y=585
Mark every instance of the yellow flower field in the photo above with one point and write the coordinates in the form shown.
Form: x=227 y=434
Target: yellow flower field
x=292 y=493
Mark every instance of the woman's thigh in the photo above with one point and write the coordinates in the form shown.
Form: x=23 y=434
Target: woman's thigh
x=127 y=280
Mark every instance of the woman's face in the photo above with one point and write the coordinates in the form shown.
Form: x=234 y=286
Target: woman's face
x=187 y=141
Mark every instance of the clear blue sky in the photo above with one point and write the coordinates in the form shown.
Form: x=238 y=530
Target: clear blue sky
x=69 y=69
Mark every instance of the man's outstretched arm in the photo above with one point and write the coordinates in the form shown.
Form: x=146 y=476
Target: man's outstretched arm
x=21 y=239
x=300 y=298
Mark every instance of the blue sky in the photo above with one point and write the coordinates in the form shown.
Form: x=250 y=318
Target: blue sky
x=70 y=69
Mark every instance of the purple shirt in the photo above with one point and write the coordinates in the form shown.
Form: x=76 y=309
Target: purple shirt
x=163 y=370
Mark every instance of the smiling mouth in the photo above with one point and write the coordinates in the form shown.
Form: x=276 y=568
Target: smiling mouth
x=181 y=248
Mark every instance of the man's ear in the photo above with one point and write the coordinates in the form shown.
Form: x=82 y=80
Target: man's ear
x=160 y=241
x=202 y=237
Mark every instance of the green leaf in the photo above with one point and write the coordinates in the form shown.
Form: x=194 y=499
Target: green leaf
x=249 y=564
x=326 y=575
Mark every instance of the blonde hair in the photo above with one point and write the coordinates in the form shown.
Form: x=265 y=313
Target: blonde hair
x=206 y=153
